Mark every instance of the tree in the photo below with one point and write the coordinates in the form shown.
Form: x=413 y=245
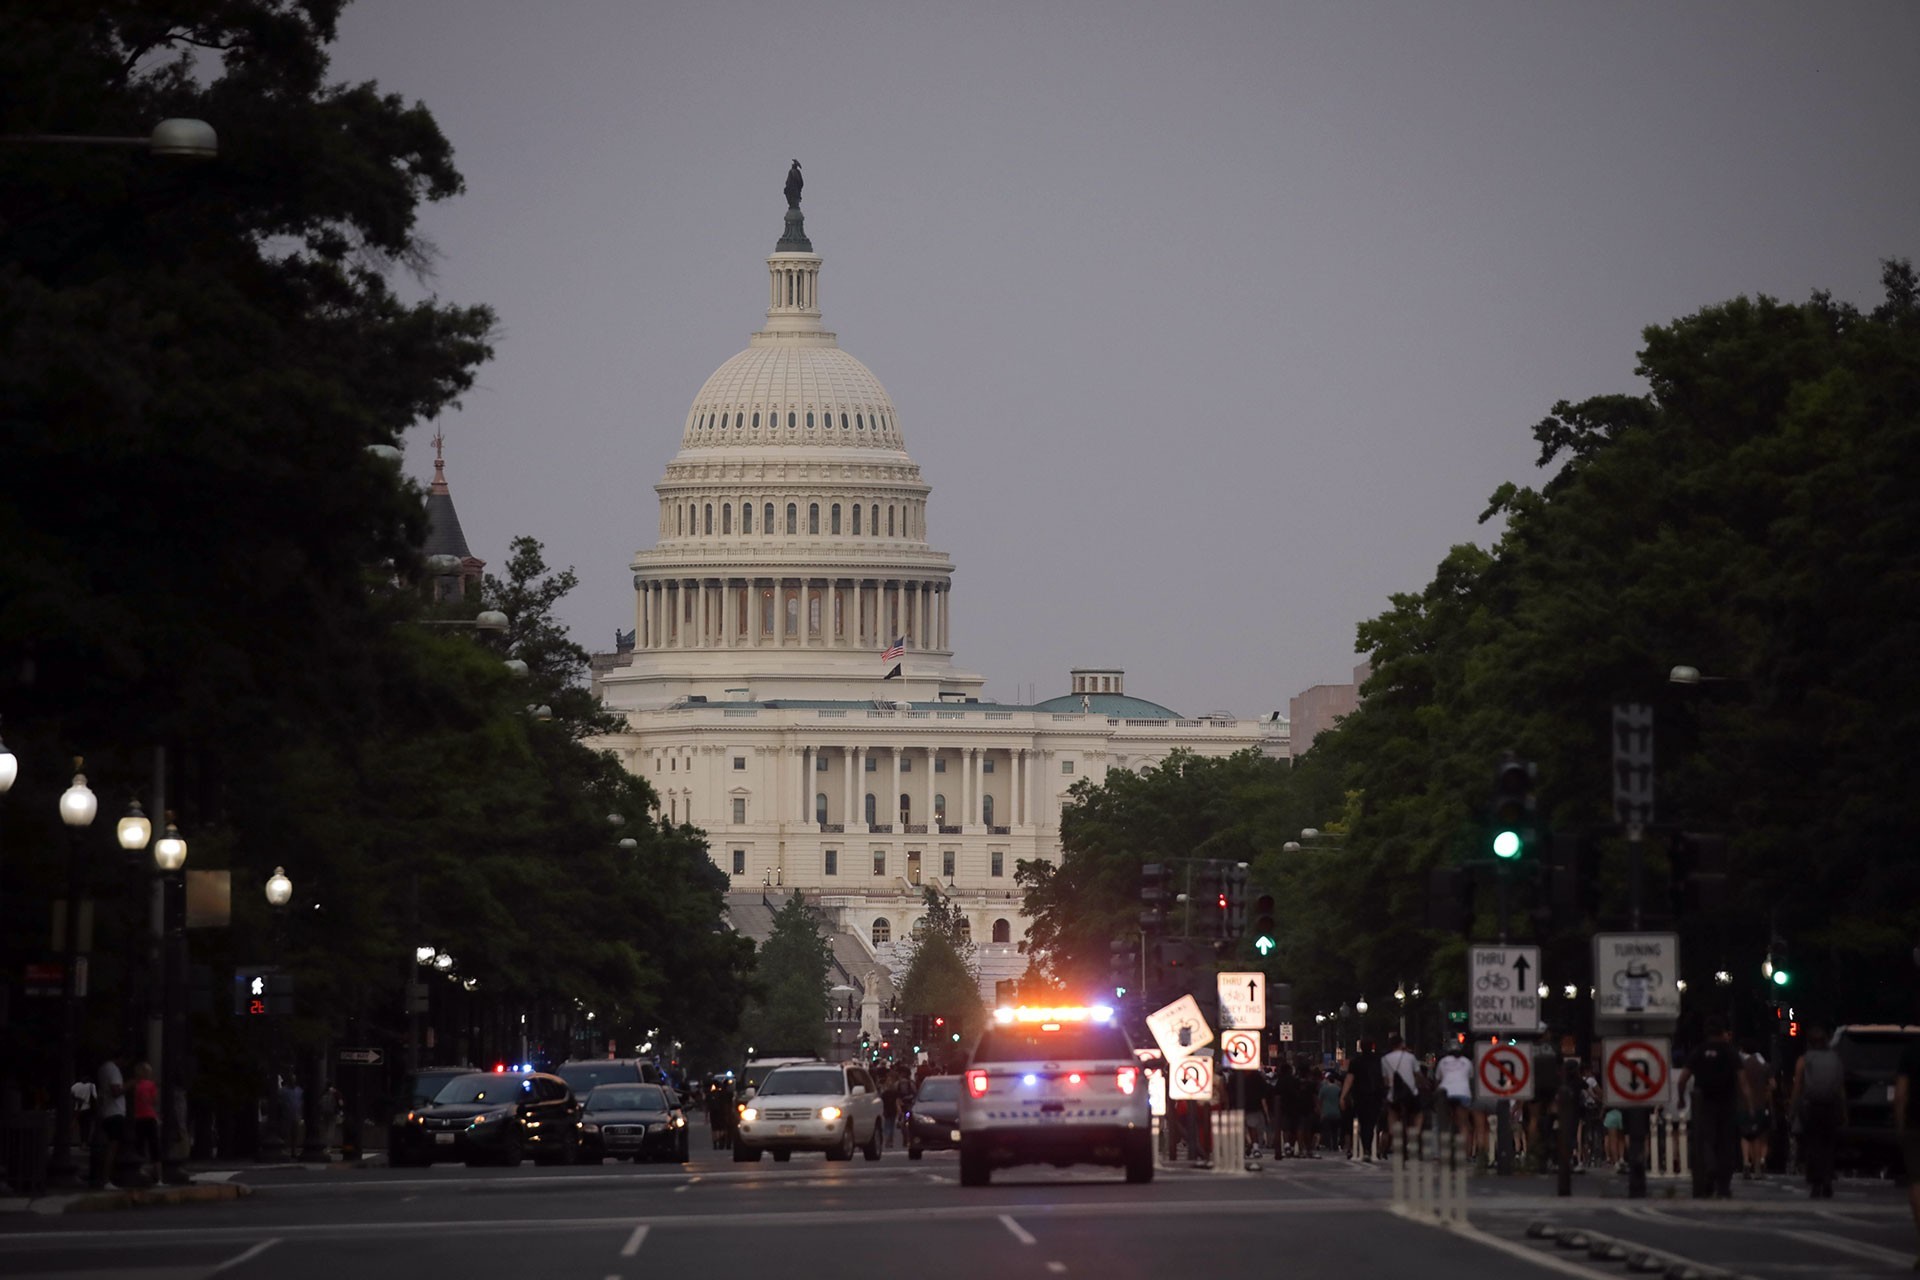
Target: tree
x=938 y=976
x=789 y=1010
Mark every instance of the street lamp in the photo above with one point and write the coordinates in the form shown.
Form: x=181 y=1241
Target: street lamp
x=279 y=891
x=169 y=857
x=9 y=768
x=180 y=138
x=77 y=808
x=132 y=831
x=279 y=888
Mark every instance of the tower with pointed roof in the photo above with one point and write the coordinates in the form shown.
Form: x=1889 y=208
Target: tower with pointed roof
x=444 y=536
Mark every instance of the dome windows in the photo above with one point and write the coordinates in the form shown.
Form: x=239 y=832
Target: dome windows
x=843 y=419
x=746 y=517
x=726 y=517
x=756 y=419
x=766 y=525
x=790 y=420
x=793 y=519
x=856 y=519
x=809 y=419
x=813 y=518
x=834 y=524
x=859 y=422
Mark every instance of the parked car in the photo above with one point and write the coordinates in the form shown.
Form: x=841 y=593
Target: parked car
x=494 y=1117
x=934 y=1122
x=584 y=1075
x=633 y=1122
x=811 y=1106
x=418 y=1090
x=1871 y=1055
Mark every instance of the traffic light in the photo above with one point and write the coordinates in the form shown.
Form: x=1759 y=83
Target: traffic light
x=1778 y=969
x=1510 y=825
x=1264 y=938
x=1213 y=885
x=1125 y=966
x=1153 y=895
x=921 y=1026
x=1237 y=900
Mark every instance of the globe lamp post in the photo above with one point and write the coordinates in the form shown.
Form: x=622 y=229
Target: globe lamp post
x=169 y=862
x=78 y=805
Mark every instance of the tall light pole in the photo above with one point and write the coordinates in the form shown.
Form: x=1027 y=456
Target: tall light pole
x=132 y=831
x=9 y=770
x=77 y=808
x=179 y=137
x=169 y=859
x=279 y=892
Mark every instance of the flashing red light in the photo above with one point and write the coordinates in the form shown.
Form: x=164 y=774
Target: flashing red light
x=1073 y=1077
x=1223 y=902
x=1128 y=1078
x=977 y=1083
x=499 y=1068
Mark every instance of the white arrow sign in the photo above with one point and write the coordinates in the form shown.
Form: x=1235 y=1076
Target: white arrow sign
x=1502 y=989
x=1243 y=1000
x=1180 y=1028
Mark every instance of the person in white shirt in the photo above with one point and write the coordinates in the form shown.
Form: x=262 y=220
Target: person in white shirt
x=111 y=1105
x=83 y=1096
x=1454 y=1075
x=1402 y=1072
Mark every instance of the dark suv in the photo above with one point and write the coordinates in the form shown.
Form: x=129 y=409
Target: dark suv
x=420 y=1089
x=495 y=1117
x=1871 y=1055
x=584 y=1075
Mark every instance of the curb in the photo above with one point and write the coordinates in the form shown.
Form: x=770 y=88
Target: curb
x=133 y=1198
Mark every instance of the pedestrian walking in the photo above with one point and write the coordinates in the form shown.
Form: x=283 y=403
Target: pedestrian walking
x=1906 y=1125
x=1402 y=1074
x=1361 y=1096
x=1329 y=1113
x=1454 y=1076
x=1713 y=1069
x=1819 y=1108
x=110 y=1090
x=1756 y=1120
x=890 y=1106
x=145 y=1111
x=84 y=1093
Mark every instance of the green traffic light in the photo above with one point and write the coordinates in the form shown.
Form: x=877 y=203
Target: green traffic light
x=1264 y=944
x=1506 y=844
x=1780 y=977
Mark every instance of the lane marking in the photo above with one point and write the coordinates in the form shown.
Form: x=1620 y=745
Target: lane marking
x=1858 y=1248
x=249 y=1255
x=139 y=1237
x=632 y=1246
x=1020 y=1233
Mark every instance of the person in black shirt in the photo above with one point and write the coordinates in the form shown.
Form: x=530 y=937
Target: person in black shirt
x=1906 y=1124
x=1719 y=1090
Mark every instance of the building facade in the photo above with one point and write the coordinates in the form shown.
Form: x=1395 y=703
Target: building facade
x=791 y=574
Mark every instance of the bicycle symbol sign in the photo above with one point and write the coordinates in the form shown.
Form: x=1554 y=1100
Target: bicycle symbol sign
x=1502 y=985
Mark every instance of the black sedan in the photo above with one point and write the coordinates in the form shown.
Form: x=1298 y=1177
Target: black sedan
x=635 y=1121
x=934 y=1122
x=493 y=1118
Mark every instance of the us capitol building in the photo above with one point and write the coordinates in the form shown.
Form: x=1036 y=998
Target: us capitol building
x=791 y=553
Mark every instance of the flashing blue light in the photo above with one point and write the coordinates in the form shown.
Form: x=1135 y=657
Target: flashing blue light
x=1029 y=1079
x=1101 y=1013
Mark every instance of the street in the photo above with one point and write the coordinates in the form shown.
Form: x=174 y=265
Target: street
x=813 y=1219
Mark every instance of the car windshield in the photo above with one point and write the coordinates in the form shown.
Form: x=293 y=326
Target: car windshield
x=1875 y=1052
x=583 y=1077
x=427 y=1085
x=1065 y=1042
x=484 y=1088
x=789 y=1080
x=940 y=1089
x=627 y=1097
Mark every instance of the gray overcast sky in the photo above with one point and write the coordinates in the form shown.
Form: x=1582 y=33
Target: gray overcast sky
x=1211 y=324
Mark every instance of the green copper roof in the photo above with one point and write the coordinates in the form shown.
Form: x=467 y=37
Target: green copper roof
x=1118 y=705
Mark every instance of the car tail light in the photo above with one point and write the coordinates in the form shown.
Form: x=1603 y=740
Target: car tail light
x=1073 y=1077
x=1127 y=1078
x=977 y=1083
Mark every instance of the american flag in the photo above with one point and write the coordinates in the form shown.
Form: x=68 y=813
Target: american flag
x=895 y=651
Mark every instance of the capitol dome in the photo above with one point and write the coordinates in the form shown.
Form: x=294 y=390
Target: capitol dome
x=791 y=549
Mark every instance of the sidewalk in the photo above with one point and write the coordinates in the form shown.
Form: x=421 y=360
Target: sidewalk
x=202 y=1188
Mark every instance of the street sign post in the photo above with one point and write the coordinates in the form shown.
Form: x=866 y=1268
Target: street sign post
x=1243 y=1000
x=1636 y=979
x=1503 y=1072
x=1192 y=1079
x=1180 y=1028
x=1501 y=986
x=1241 y=1049
x=1637 y=1071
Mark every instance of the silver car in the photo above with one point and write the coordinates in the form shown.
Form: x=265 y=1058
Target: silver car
x=812 y=1106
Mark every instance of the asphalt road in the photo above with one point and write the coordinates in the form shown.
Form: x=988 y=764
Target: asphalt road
x=809 y=1219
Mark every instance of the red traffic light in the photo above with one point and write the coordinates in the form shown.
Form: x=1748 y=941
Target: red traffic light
x=939 y=1022
x=1223 y=902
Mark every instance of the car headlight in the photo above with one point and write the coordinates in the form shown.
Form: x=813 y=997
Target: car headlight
x=679 y=1122
x=749 y=1114
x=492 y=1117
x=589 y=1127
x=829 y=1113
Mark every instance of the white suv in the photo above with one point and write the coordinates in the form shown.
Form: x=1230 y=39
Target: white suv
x=811 y=1106
x=1054 y=1086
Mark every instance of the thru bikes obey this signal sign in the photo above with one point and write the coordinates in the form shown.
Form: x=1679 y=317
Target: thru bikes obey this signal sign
x=1502 y=989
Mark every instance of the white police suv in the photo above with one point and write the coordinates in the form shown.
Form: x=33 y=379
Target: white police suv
x=1054 y=1085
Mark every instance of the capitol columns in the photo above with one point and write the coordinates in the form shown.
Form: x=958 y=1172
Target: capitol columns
x=933 y=819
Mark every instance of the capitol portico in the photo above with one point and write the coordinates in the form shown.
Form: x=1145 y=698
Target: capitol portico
x=791 y=551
